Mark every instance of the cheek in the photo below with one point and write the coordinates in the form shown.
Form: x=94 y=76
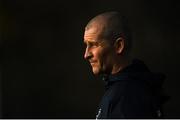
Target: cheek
x=98 y=55
x=106 y=58
x=102 y=56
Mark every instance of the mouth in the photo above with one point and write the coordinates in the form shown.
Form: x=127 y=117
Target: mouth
x=92 y=62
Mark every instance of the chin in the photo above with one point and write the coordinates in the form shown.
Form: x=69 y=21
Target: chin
x=96 y=72
x=100 y=72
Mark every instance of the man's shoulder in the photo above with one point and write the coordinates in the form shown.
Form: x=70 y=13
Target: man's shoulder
x=128 y=87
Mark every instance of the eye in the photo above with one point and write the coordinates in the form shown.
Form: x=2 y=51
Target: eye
x=93 y=44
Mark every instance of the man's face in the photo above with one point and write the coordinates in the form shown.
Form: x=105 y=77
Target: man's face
x=99 y=52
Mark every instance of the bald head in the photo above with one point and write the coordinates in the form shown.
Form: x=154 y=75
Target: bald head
x=107 y=43
x=111 y=25
x=102 y=19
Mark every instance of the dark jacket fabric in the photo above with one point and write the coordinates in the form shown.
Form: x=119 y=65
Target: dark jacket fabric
x=134 y=92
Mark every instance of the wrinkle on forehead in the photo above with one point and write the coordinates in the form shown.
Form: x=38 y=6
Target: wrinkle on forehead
x=91 y=34
x=94 y=31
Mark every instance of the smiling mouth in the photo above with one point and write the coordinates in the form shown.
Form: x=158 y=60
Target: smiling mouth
x=92 y=63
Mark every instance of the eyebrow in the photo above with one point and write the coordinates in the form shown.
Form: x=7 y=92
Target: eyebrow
x=91 y=41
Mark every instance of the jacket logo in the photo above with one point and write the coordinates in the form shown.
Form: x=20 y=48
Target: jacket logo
x=99 y=112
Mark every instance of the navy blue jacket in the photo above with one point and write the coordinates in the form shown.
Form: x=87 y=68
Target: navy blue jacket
x=134 y=92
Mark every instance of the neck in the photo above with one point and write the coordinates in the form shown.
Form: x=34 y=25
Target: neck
x=120 y=64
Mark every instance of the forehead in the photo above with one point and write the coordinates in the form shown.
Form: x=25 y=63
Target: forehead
x=92 y=34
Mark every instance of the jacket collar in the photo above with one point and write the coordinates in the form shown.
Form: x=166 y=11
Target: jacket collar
x=135 y=67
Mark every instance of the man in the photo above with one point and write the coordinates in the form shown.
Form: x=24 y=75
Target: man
x=132 y=91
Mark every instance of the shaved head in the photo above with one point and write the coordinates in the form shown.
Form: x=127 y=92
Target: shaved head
x=111 y=25
x=107 y=43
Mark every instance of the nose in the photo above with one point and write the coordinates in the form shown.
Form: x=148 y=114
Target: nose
x=87 y=54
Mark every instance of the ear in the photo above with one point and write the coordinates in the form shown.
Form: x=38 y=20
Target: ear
x=119 y=45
